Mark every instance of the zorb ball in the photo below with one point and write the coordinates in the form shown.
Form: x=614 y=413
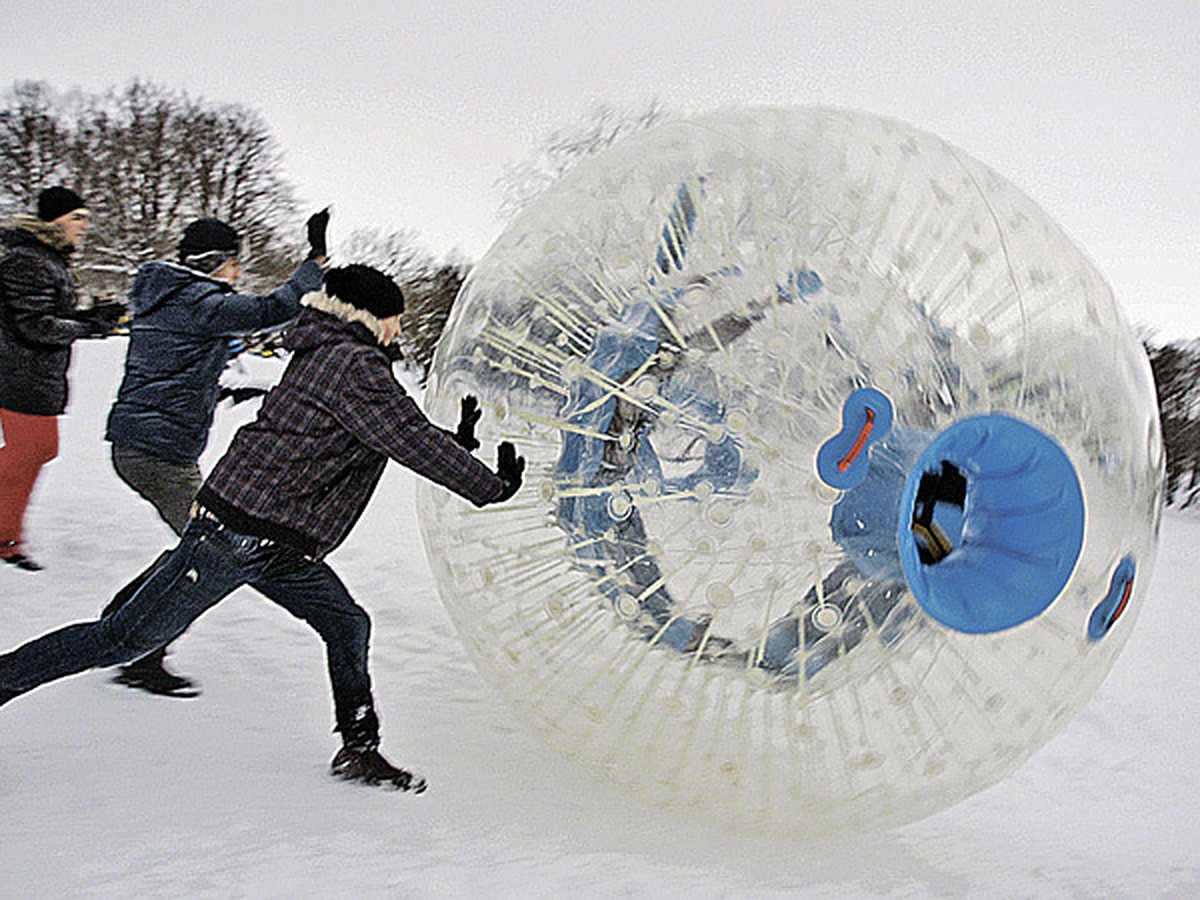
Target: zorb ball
x=844 y=471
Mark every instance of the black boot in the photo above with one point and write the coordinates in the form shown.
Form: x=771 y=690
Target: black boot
x=370 y=767
x=15 y=557
x=150 y=674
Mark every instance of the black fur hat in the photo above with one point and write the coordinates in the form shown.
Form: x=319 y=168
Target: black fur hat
x=366 y=289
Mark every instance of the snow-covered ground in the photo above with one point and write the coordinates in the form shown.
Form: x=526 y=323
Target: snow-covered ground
x=105 y=792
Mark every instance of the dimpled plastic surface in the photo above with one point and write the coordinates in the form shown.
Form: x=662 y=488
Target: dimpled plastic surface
x=675 y=599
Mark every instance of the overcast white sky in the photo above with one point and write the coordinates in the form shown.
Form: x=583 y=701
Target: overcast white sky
x=403 y=114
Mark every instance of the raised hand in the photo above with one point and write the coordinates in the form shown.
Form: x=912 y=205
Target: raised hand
x=316 y=226
x=465 y=435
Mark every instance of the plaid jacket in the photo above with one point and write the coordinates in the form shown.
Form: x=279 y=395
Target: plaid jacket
x=303 y=471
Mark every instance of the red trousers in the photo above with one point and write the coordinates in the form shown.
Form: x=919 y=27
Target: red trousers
x=29 y=443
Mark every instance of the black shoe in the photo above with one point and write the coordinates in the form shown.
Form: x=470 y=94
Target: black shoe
x=150 y=674
x=369 y=767
x=21 y=561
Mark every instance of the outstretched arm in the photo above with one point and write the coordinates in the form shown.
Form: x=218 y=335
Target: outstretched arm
x=231 y=313
x=381 y=415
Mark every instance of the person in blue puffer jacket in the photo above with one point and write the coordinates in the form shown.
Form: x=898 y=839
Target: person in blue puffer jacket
x=184 y=315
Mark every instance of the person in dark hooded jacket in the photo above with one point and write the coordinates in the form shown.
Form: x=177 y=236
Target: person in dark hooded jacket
x=286 y=493
x=184 y=315
x=38 y=324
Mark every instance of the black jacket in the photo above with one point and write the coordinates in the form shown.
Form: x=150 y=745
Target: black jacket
x=37 y=302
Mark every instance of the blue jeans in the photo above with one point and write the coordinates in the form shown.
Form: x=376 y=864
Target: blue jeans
x=210 y=562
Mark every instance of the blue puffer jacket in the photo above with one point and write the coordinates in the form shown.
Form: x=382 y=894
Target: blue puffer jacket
x=178 y=347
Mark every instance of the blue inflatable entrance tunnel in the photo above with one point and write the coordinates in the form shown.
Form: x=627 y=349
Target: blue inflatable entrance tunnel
x=991 y=524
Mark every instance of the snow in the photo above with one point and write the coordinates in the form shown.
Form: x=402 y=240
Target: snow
x=106 y=792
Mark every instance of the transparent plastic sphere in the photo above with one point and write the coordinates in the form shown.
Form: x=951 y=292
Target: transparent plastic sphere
x=844 y=471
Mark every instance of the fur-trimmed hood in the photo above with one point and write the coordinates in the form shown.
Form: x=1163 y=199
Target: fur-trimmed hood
x=31 y=227
x=339 y=309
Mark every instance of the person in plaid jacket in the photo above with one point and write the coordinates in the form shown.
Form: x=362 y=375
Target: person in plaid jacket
x=286 y=493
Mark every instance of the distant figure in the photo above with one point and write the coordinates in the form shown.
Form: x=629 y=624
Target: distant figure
x=286 y=493
x=38 y=324
x=184 y=316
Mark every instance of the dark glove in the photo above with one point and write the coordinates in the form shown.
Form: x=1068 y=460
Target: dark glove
x=241 y=394
x=316 y=225
x=101 y=319
x=465 y=435
x=91 y=329
x=509 y=467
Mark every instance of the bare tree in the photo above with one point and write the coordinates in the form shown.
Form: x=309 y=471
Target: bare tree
x=149 y=160
x=236 y=164
x=428 y=301
x=33 y=144
x=397 y=253
x=125 y=160
x=1176 y=369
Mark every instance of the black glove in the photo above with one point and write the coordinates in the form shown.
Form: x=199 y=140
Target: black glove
x=92 y=329
x=509 y=467
x=465 y=435
x=241 y=394
x=101 y=319
x=316 y=225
